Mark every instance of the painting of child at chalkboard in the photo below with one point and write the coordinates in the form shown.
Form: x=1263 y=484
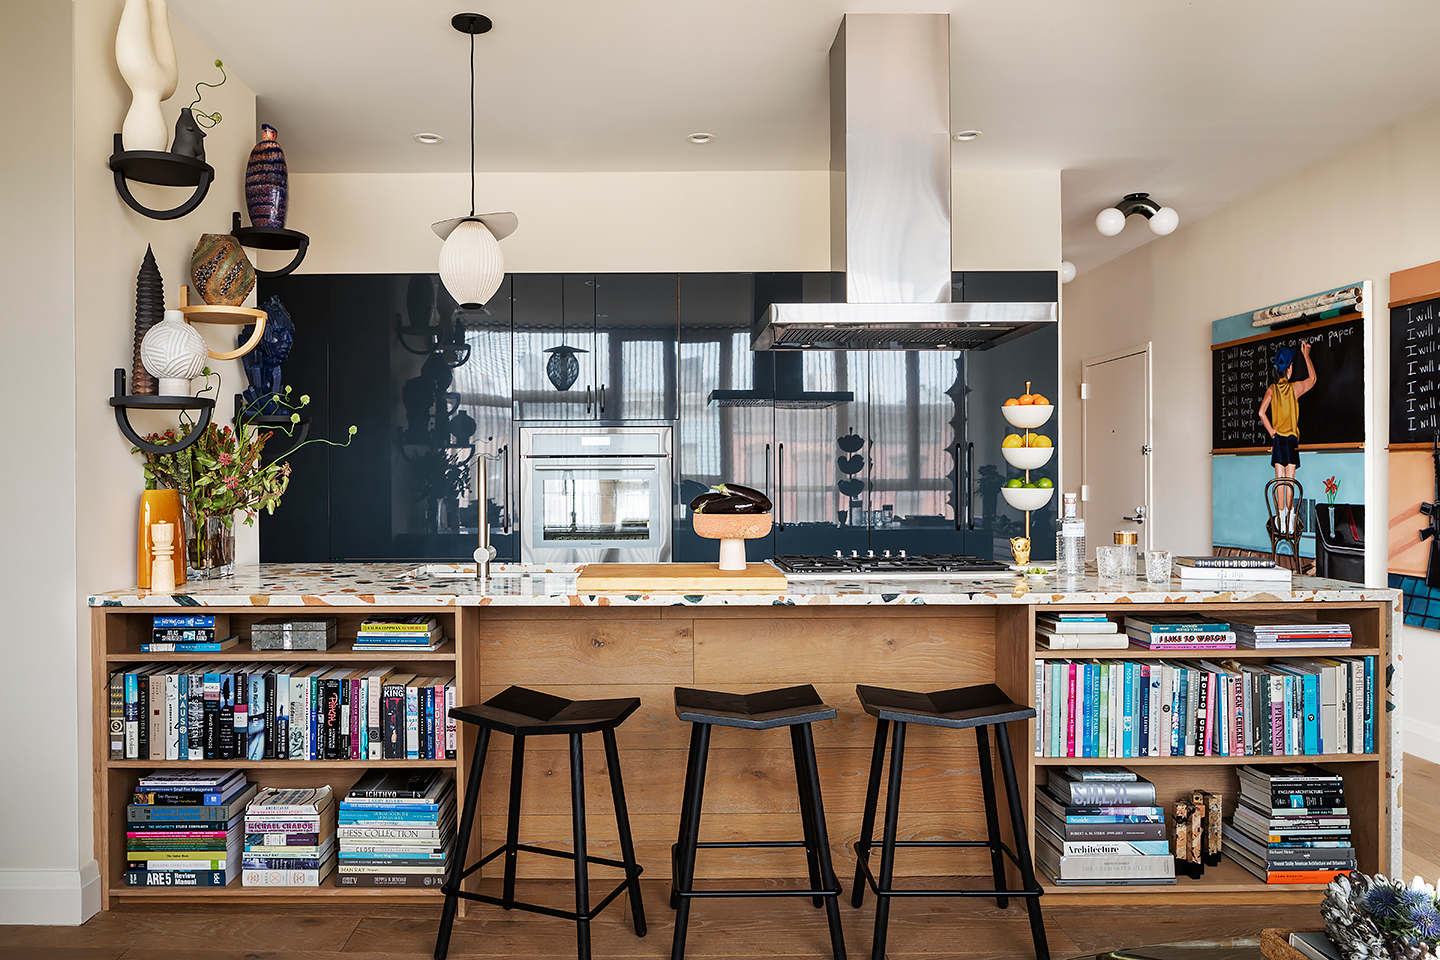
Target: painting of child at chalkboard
x=1280 y=413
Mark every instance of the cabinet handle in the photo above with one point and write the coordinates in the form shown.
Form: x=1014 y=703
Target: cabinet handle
x=970 y=485
x=505 y=463
x=767 y=469
x=959 y=507
x=602 y=398
x=588 y=404
x=780 y=486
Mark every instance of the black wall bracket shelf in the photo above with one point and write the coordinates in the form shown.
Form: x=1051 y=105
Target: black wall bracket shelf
x=122 y=404
x=272 y=238
x=276 y=423
x=164 y=169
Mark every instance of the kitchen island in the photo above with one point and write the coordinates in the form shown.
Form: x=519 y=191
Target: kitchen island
x=533 y=629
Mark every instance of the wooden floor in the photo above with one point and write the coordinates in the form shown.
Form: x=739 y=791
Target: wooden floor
x=719 y=929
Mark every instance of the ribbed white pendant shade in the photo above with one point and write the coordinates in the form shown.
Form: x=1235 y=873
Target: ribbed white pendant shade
x=471 y=265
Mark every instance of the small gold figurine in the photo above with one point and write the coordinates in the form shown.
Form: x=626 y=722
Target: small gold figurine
x=1020 y=547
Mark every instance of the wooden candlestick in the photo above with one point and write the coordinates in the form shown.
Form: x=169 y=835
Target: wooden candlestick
x=162 y=568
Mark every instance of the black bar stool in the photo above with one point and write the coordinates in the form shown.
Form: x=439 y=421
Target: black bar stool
x=527 y=713
x=980 y=707
x=793 y=707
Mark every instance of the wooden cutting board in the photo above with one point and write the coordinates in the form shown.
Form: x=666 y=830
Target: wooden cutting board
x=677 y=578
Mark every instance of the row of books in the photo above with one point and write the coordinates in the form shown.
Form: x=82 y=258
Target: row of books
x=289 y=838
x=1095 y=631
x=1291 y=824
x=185 y=828
x=1101 y=826
x=234 y=711
x=211 y=633
x=416 y=634
x=1185 y=708
x=397 y=829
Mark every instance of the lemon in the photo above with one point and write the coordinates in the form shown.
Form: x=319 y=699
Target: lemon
x=1014 y=440
x=1039 y=440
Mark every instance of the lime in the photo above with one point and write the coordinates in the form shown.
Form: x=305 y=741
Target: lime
x=1045 y=482
x=1017 y=482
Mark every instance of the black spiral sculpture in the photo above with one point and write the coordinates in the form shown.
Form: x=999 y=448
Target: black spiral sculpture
x=149 y=310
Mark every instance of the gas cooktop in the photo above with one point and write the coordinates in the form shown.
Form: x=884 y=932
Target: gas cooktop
x=886 y=567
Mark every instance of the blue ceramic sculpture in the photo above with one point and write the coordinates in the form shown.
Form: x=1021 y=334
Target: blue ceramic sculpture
x=262 y=365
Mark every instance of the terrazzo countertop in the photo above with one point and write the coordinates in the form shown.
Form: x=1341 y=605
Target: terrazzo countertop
x=396 y=584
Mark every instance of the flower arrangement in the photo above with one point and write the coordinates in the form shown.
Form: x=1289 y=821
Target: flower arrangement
x=1331 y=489
x=1376 y=918
x=221 y=475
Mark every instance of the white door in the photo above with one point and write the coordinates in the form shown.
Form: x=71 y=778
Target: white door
x=1115 y=480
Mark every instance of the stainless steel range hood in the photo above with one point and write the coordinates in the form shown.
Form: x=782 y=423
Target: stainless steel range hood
x=890 y=203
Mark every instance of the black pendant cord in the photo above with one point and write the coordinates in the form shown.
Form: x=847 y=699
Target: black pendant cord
x=472 y=123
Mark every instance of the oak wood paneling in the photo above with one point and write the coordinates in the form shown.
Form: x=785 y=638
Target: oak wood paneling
x=596 y=652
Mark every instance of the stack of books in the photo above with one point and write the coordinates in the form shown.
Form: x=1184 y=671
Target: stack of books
x=1291 y=825
x=1164 y=632
x=1262 y=630
x=1220 y=573
x=1101 y=826
x=415 y=634
x=1078 y=631
x=289 y=838
x=185 y=828
x=190 y=633
x=267 y=711
x=397 y=829
x=1223 y=707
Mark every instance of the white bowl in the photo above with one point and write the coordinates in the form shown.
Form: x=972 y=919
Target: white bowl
x=1028 y=417
x=1027 y=498
x=1027 y=458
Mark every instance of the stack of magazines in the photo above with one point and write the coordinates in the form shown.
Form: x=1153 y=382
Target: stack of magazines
x=1276 y=631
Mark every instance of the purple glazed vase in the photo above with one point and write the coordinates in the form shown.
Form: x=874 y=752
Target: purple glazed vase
x=267 y=186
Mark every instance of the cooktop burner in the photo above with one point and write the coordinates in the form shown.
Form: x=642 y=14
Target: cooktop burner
x=884 y=566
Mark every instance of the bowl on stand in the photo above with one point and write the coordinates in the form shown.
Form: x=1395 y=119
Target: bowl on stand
x=732 y=530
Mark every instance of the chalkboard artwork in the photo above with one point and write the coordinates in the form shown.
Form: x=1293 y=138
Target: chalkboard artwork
x=1331 y=413
x=1414 y=381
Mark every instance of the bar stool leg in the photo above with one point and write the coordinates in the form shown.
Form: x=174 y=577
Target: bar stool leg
x=684 y=813
x=622 y=821
x=582 y=869
x=867 y=823
x=822 y=844
x=807 y=805
x=699 y=752
x=1022 y=843
x=512 y=834
x=887 y=848
x=992 y=817
x=462 y=845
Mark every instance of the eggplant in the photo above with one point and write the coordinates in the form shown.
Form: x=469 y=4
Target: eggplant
x=709 y=496
x=746 y=493
x=723 y=505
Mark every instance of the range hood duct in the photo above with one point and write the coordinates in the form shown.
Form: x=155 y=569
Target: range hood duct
x=890 y=203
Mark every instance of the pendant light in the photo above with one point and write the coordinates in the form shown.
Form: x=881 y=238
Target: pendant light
x=471 y=265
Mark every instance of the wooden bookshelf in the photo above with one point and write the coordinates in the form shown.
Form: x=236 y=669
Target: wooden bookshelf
x=116 y=634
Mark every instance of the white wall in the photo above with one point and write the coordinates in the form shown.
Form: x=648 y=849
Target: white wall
x=72 y=250
x=669 y=222
x=1359 y=215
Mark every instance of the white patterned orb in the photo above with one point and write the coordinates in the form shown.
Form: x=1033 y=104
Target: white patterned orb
x=173 y=350
x=471 y=265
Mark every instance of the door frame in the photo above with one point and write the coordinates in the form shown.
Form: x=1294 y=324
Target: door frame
x=1146 y=348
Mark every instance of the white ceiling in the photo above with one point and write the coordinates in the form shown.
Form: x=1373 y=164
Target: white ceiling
x=1198 y=103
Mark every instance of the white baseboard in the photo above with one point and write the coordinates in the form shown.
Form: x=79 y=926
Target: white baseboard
x=50 y=897
x=1421 y=739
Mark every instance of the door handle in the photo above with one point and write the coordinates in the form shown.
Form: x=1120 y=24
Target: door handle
x=505 y=465
x=959 y=508
x=970 y=485
x=1139 y=515
x=602 y=398
x=588 y=404
x=780 y=487
x=767 y=469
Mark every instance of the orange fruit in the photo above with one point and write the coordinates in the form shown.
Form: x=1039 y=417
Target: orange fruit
x=1039 y=400
x=1026 y=400
x=1012 y=402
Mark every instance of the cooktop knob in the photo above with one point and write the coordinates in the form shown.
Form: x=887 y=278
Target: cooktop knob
x=887 y=553
x=902 y=553
x=837 y=555
x=855 y=553
x=869 y=553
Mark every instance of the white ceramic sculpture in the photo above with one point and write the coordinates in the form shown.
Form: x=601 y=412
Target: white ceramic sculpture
x=145 y=55
x=174 y=353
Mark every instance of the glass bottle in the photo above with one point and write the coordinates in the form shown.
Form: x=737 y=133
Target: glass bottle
x=1070 y=540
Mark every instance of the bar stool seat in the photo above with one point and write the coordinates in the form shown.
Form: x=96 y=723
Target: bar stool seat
x=794 y=707
x=525 y=713
x=981 y=707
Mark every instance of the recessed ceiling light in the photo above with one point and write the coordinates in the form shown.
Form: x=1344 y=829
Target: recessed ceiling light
x=429 y=138
x=701 y=137
x=964 y=136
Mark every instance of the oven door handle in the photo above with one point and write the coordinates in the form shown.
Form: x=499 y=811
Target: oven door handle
x=565 y=466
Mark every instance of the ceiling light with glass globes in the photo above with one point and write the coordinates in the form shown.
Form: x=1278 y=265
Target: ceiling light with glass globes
x=1163 y=220
x=471 y=265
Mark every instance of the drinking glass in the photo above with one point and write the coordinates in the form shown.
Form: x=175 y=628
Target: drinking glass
x=1157 y=566
x=1108 y=561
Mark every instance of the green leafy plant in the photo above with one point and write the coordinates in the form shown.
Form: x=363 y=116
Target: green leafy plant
x=201 y=116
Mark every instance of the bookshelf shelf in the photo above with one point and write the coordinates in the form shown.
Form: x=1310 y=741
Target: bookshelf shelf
x=235 y=891
x=1227 y=878
x=1199 y=653
x=1193 y=761
x=296 y=765
x=343 y=652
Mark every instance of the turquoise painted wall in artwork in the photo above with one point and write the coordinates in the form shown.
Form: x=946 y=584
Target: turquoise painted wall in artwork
x=1238 y=493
